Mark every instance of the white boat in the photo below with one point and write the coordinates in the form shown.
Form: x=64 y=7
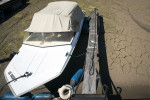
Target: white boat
x=53 y=33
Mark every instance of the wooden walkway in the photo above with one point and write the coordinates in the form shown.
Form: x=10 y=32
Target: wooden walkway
x=89 y=83
x=90 y=72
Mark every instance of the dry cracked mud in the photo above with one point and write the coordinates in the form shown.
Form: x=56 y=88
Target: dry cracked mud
x=128 y=47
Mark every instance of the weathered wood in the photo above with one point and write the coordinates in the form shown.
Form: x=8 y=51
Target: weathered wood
x=89 y=82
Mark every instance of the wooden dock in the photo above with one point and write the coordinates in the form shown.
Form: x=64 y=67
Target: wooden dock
x=92 y=70
x=89 y=83
x=90 y=80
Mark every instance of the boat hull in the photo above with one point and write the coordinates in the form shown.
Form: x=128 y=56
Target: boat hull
x=45 y=64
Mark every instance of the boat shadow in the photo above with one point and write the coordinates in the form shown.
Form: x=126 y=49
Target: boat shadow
x=9 y=13
x=74 y=64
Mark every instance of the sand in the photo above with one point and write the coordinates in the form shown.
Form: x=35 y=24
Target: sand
x=127 y=40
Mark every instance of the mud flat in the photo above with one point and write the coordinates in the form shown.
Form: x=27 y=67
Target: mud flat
x=127 y=37
x=127 y=40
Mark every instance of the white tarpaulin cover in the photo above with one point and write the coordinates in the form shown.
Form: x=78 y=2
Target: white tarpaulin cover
x=61 y=16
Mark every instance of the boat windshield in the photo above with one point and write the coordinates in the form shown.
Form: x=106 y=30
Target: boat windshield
x=48 y=39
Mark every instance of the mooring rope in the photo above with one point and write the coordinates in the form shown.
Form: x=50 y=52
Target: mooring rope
x=27 y=74
x=77 y=55
x=91 y=71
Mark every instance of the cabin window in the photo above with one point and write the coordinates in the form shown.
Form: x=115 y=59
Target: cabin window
x=48 y=39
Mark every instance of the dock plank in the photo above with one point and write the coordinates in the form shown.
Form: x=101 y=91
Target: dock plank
x=89 y=82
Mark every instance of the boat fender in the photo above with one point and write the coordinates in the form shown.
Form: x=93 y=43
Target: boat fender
x=76 y=78
x=73 y=82
x=63 y=89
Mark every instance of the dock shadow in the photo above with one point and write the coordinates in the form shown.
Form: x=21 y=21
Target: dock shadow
x=73 y=65
x=103 y=63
